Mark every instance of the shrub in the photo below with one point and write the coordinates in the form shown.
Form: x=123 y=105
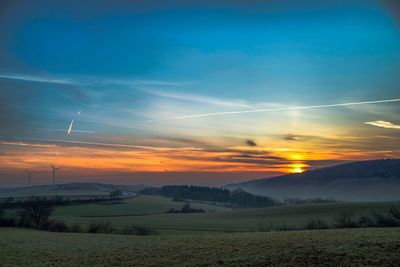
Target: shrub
x=385 y=220
x=23 y=219
x=366 y=221
x=7 y=222
x=395 y=213
x=390 y=219
x=345 y=220
x=102 y=227
x=284 y=227
x=56 y=226
x=186 y=208
x=316 y=224
x=115 y=194
x=139 y=230
x=75 y=229
x=44 y=226
x=262 y=227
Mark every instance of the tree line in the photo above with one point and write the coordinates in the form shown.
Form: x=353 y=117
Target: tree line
x=186 y=208
x=236 y=198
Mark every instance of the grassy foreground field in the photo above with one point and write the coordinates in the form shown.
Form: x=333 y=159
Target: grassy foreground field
x=355 y=247
x=149 y=211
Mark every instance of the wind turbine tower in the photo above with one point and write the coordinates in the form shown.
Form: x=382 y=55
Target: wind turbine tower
x=29 y=176
x=54 y=173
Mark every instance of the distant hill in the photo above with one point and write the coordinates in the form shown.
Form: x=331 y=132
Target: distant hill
x=356 y=181
x=70 y=189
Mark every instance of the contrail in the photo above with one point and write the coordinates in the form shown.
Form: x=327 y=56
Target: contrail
x=70 y=127
x=276 y=109
x=89 y=143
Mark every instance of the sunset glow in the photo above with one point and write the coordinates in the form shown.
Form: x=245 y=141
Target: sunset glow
x=198 y=90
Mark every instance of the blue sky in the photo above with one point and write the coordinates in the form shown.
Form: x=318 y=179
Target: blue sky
x=127 y=66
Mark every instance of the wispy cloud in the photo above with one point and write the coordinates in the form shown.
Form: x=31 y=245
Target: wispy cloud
x=201 y=99
x=383 y=124
x=115 y=145
x=41 y=79
x=20 y=143
x=291 y=137
x=87 y=80
x=65 y=130
x=278 y=109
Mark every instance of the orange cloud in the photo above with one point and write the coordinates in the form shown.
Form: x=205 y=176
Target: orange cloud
x=281 y=156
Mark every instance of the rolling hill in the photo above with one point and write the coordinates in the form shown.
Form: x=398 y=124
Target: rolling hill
x=375 y=180
x=69 y=189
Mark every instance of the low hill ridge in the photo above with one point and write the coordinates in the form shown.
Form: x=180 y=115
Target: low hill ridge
x=355 y=181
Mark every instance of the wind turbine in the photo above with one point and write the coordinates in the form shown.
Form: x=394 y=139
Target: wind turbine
x=29 y=176
x=54 y=173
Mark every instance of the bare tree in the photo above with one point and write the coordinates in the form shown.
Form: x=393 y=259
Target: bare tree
x=36 y=212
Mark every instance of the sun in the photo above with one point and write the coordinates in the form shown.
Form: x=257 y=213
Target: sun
x=297 y=170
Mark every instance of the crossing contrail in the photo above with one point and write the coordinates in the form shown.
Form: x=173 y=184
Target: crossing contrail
x=276 y=109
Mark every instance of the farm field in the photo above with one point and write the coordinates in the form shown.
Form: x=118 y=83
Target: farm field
x=150 y=211
x=346 y=247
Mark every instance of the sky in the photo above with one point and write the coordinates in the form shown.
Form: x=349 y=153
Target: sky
x=195 y=92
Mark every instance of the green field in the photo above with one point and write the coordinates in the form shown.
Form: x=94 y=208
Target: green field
x=150 y=211
x=219 y=236
x=355 y=247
